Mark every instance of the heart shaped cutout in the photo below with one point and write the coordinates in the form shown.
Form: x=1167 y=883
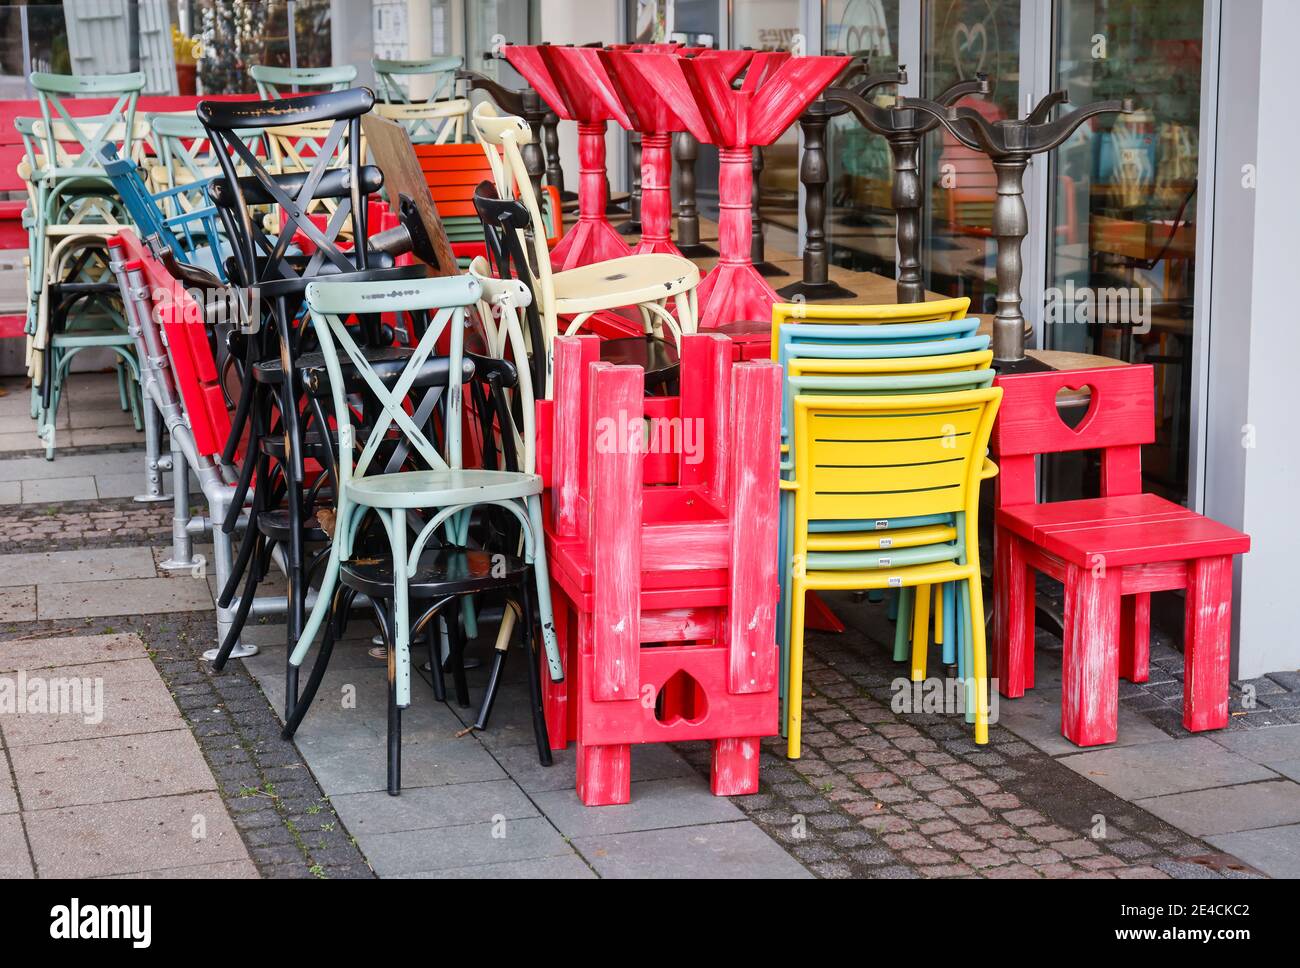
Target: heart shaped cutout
x=681 y=700
x=1074 y=405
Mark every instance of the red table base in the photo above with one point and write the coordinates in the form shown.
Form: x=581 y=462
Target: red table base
x=593 y=239
x=656 y=195
x=734 y=289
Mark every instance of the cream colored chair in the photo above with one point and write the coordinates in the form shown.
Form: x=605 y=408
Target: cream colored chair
x=647 y=282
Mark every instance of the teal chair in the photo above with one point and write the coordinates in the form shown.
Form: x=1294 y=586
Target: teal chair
x=275 y=82
x=441 y=490
x=435 y=115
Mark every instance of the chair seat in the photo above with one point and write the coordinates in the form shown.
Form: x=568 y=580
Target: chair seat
x=424 y=489
x=1133 y=529
x=625 y=281
x=441 y=571
x=275 y=525
x=880 y=540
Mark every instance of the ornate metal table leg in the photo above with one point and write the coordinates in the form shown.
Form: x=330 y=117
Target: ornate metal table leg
x=633 y=225
x=756 y=245
x=814 y=173
x=685 y=152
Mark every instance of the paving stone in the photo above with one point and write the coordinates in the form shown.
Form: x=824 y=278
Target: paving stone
x=424 y=807
x=133 y=836
x=1172 y=766
x=225 y=871
x=723 y=850
x=423 y=764
x=1230 y=809
x=569 y=867
x=18 y=604
x=58 y=489
x=115 y=768
x=15 y=862
x=93 y=599
x=88 y=564
x=438 y=848
x=1265 y=746
x=1036 y=718
x=1275 y=851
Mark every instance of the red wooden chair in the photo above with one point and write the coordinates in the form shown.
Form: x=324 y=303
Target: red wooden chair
x=663 y=561
x=1111 y=553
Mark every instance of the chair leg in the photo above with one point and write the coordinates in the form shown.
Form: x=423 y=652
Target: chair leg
x=495 y=672
x=342 y=601
x=920 y=632
x=949 y=619
x=394 y=716
x=555 y=695
x=979 y=660
x=1135 y=637
x=1013 y=616
x=433 y=642
x=533 y=659
x=604 y=775
x=1090 y=659
x=456 y=636
x=1207 y=643
x=734 y=771
x=903 y=623
x=241 y=613
x=794 y=688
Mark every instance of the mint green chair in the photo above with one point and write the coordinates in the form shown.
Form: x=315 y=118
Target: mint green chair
x=274 y=82
x=442 y=490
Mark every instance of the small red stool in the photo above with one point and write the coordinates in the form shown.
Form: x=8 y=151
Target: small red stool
x=663 y=561
x=1111 y=553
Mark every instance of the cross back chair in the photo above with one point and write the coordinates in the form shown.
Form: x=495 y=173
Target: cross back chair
x=273 y=271
x=276 y=82
x=438 y=485
x=647 y=282
x=1110 y=552
x=186 y=155
x=425 y=104
x=892 y=457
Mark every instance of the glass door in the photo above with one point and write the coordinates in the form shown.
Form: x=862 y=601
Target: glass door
x=860 y=213
x=1121 y=258
x=961 y=38
x=489 y=23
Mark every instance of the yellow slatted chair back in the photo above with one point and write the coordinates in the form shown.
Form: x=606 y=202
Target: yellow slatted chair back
x=934 y=311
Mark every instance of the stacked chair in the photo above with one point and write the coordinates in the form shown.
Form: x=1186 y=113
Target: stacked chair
x=421 y=96
x=887 y=412
x=73 y=211
x=278 y=246
x=586 y=297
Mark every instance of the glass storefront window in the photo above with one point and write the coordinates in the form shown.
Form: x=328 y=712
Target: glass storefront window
x=1122 y=252
x=961 y=39
x=860 y=214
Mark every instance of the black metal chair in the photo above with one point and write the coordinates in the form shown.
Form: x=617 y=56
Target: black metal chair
x=273 y=267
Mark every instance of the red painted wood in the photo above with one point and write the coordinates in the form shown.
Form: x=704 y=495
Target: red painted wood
x=1090 y=664
x=1207 y=642
x=735 y=767
x=705 y=412
x=1111 y=552
x=755 y=472
x=1013 y=616
x=615 y=516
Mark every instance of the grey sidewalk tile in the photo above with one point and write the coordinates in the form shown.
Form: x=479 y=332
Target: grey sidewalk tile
x=99 y=839
x=22 y=440
x=650 y=761
x=18 y=604
x=8 y=799
x=1268 y=745
x=223 y=870
x=54 y=489
x=1288 y=768
x=68 y=465
x=1225 y=810
x=11 y=492
x=69 y=650
x=81 y=565
x=723 y=850
x=104 y=435
x=459 y=804
x=131 y=596
x=130 y=707
x=110 y=769
x=1274 y=850
x=566 y=867
x=655 y=805
x=442 y=848
x=1036 y=718
x=424 y=764
x=1172 y=766
x=15 y=863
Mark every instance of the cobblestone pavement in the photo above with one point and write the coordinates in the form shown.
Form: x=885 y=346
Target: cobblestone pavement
x=885 y=794
x=83 y=524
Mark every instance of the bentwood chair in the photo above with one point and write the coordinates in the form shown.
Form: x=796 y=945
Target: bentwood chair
x=273 y=269
x=425 y=104
x=647 y=282
x=427 y=484
x=896 y=456
x=276 y=82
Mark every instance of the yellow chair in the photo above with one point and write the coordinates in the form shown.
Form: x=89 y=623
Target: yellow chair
x=889 y=457
x=937 y=310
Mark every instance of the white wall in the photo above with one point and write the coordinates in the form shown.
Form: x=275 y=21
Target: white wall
x=1252 y=469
